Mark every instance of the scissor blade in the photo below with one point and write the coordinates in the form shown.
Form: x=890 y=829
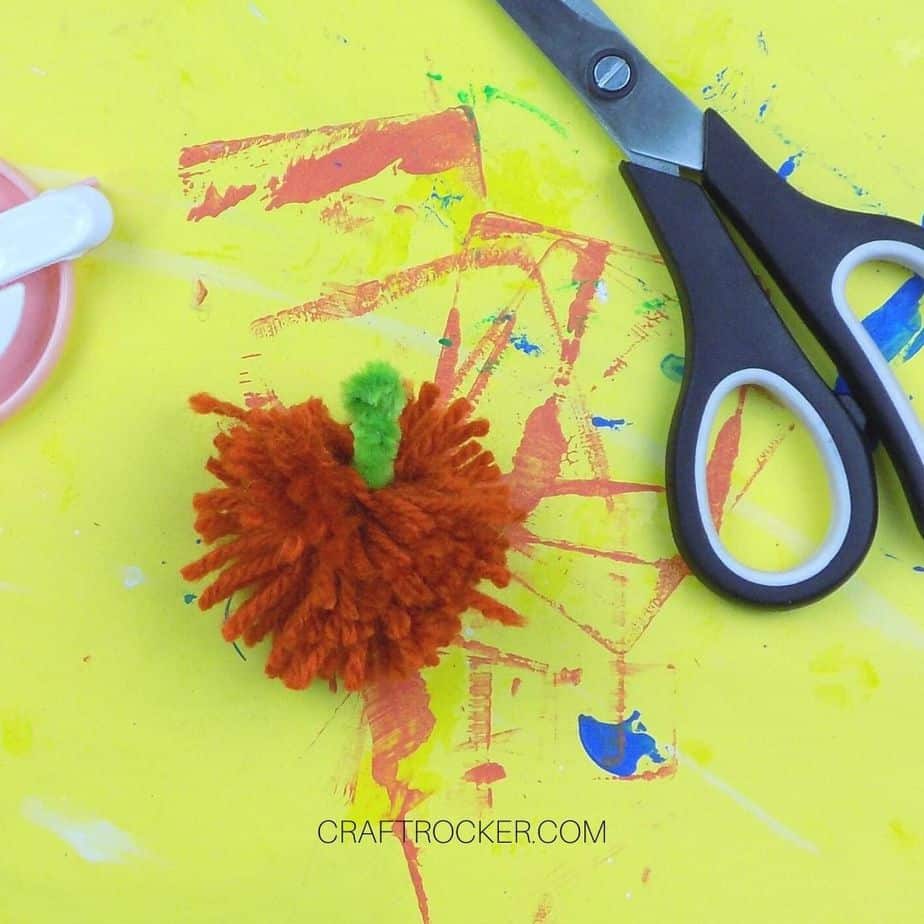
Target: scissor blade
x=651 y=120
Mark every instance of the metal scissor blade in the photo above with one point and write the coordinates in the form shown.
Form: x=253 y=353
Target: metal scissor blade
x=648 y=117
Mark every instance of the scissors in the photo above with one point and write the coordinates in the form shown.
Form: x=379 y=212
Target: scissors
x=683 y=167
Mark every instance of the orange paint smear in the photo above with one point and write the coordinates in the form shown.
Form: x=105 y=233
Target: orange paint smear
x=495 y=343
x=339 y=215
x=485 y=774
x=420 y=147
x=627 y=558
x=488 y=654
x=762 y=461
x=215 y=202
x=449 y=358
x=722 y=461
x=400 y=723
x=480 y=693
x=198 y=154
x=641 y=332
x=200 y=293
x=555 y=606
x=538 y=459
x=568 y=678
x=309 y=165
x=355 y=301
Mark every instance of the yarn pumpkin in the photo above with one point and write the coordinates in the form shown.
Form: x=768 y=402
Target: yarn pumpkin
x=362 y=548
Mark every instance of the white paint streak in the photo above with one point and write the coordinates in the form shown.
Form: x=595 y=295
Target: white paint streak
x=908 y=51
x=875 y=612
x=95 y=840
x=603 y=292
x=189 y=268
x=132 y=576
x=403 y=334
x=795 y=540
x=761 y=814
x=257 y=12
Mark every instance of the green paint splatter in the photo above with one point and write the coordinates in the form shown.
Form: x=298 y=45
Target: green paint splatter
x=494 y=94
x=501 y=318
x=445 y=202
x=491 y=94
x=673 y=367
x=653 y=304
x=444 y=341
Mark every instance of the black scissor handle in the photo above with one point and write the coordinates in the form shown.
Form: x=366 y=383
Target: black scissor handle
x=735 y=337
x=811 y=249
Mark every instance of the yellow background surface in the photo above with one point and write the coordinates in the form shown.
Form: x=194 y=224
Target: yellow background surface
x=149 y=773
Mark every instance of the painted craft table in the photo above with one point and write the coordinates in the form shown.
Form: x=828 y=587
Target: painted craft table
x=299 y=189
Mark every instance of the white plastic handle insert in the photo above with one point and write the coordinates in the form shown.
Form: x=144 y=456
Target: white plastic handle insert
x=838 y=484
x=61 y=224
x=911 y=258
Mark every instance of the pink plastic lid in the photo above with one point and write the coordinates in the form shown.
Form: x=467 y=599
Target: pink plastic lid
x=35 y=346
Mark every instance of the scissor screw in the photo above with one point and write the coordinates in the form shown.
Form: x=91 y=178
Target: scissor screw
x=612 y=74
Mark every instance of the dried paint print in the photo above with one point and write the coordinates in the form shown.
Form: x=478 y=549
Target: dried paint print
x=519 y=316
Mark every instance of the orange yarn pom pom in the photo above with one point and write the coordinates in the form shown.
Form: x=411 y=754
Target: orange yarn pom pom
x=351 y=582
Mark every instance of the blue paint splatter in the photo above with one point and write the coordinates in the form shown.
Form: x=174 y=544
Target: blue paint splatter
x=721 y=87
x=915 y=346
x=765 y=105
x=896 y=326
x=919 y=569
x=605 y=423
x=188 y=598
x=521 y=343
x=618 y=749
x=673 y=367
x=859 y=191
x=789 y=165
